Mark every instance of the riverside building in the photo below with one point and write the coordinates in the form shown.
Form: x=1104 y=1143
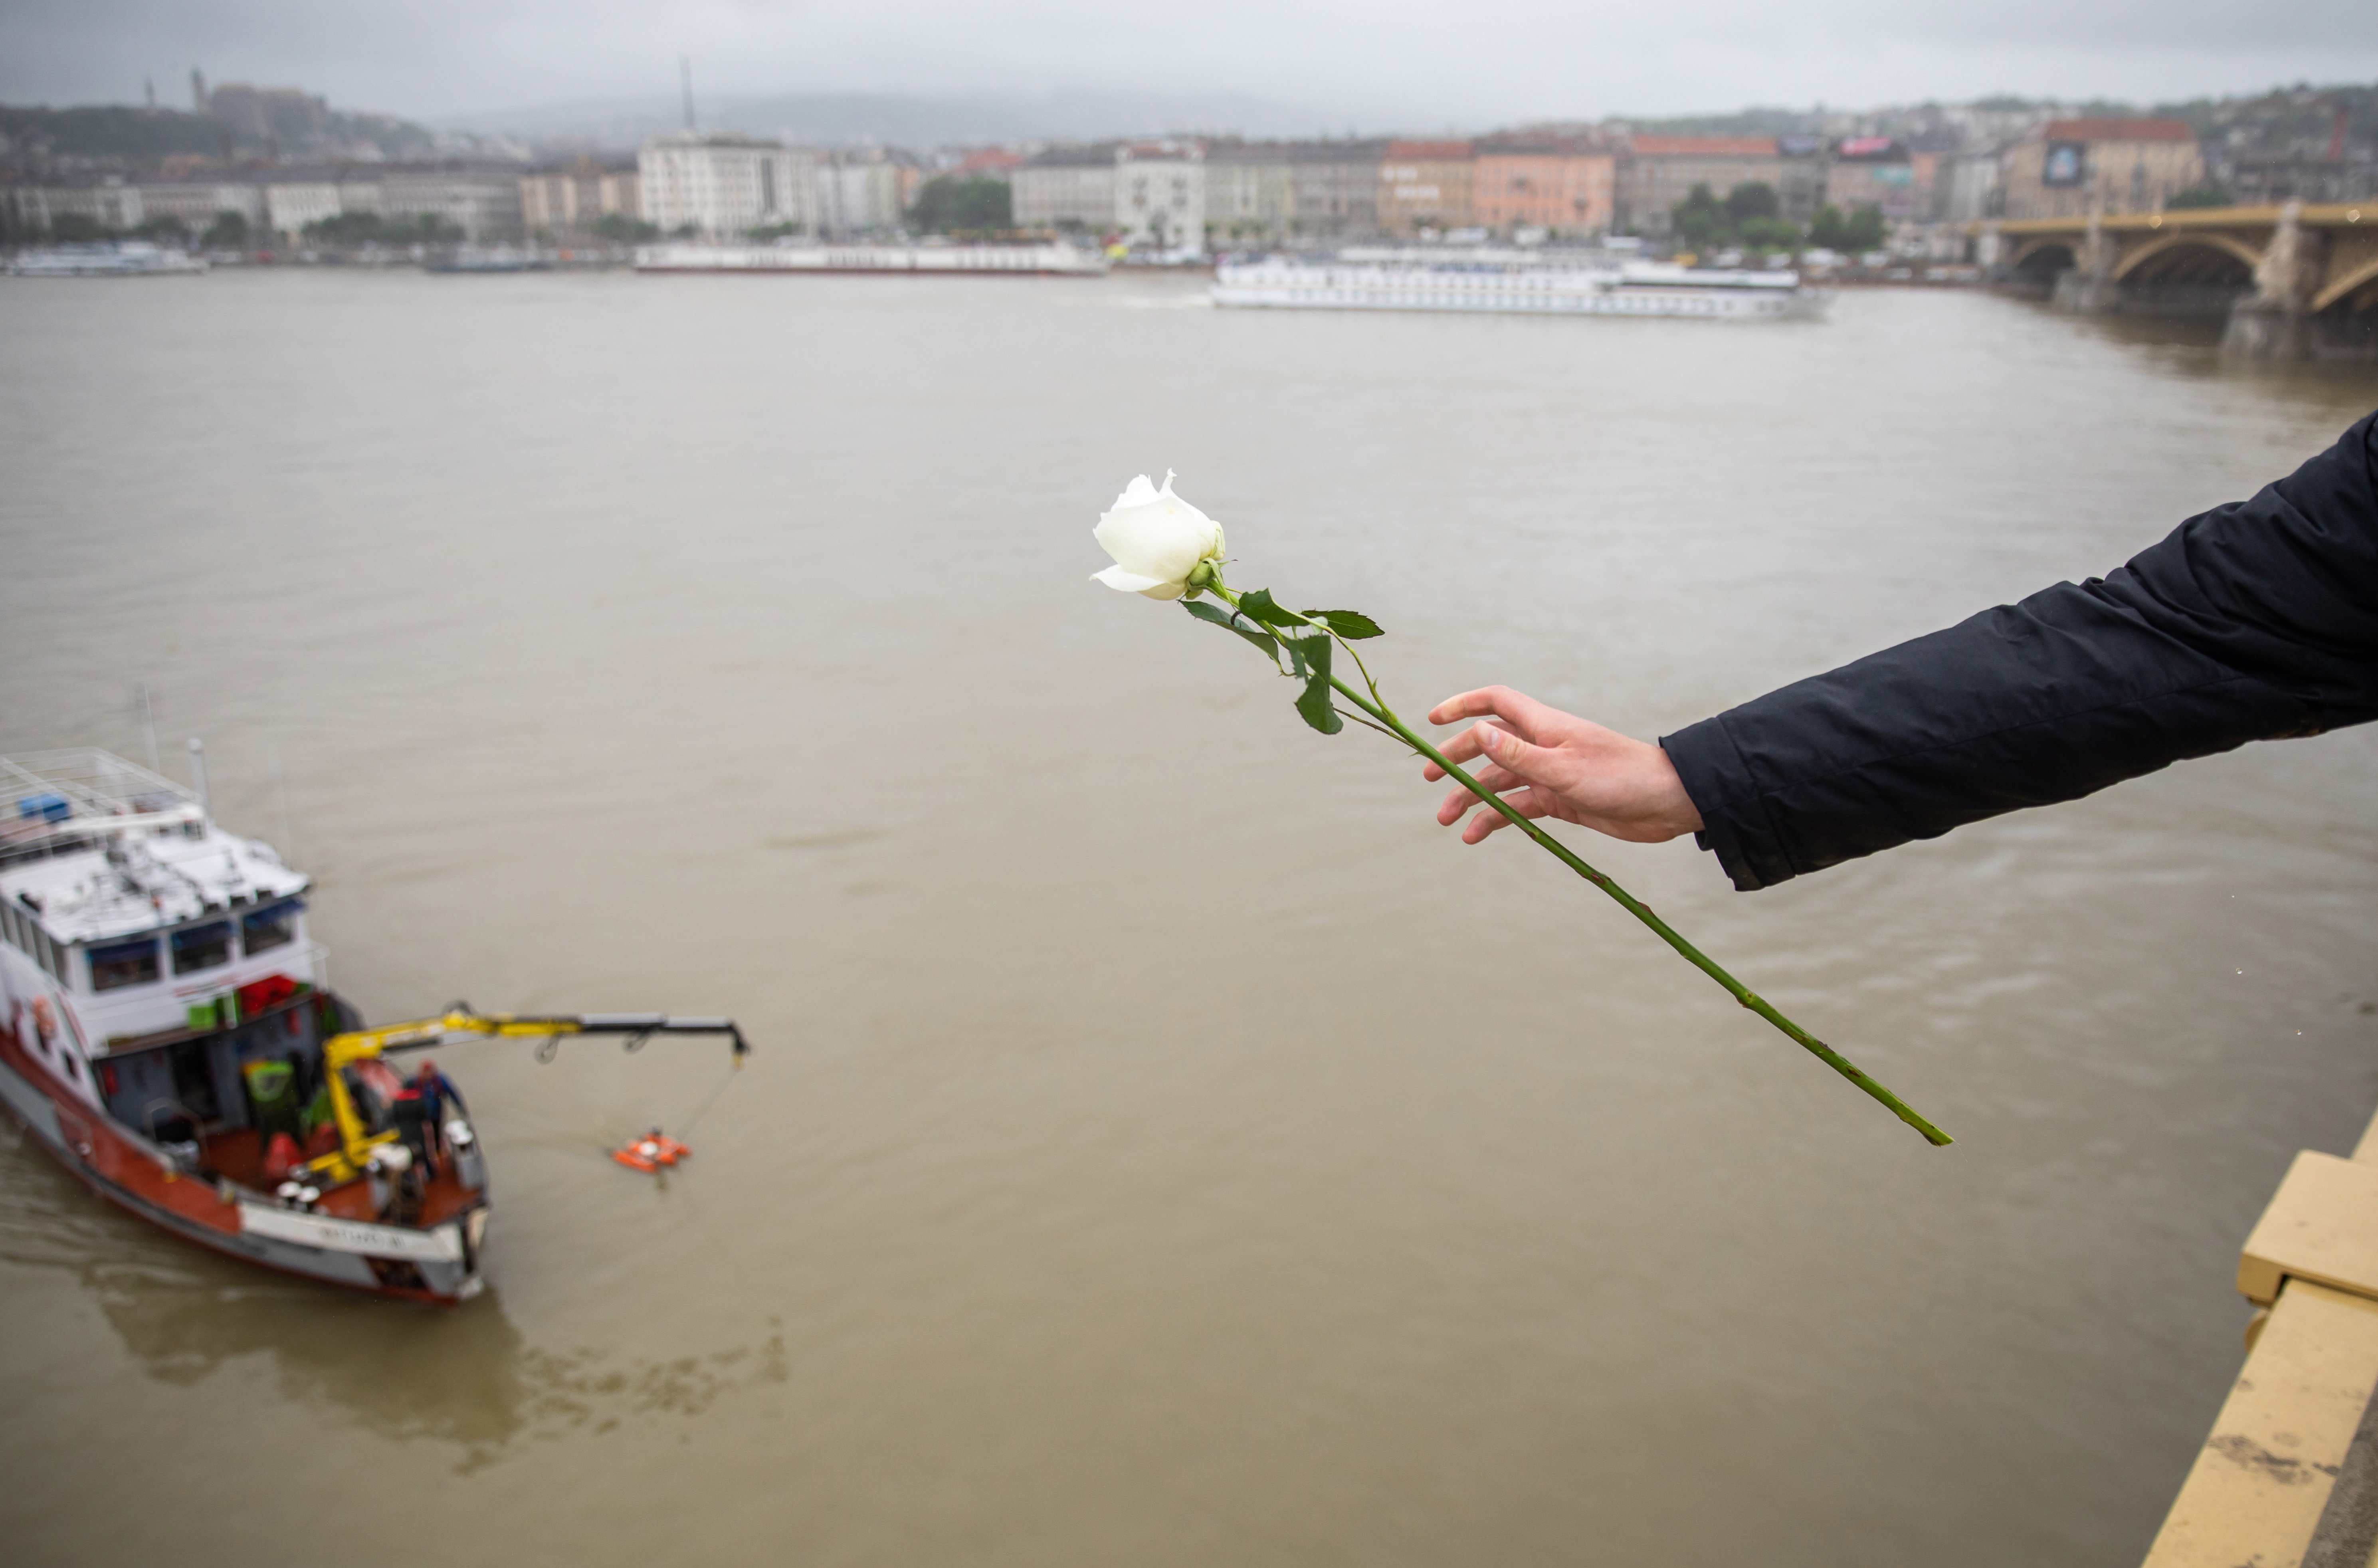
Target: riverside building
x=1250 y=191
x=721 y=184
x=1426 y=184
x=1662 y=170
x=567 y=202
x=1066 y=187
x=2070 y=168
x=1334 y=187
x=1160 y=193
x=1552 y=183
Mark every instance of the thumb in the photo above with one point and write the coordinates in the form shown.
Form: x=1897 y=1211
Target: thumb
x=1514 y=755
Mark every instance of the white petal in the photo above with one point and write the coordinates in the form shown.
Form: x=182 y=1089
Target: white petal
x=1128 y=582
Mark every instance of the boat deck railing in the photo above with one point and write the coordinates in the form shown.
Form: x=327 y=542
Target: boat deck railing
x=92 y=783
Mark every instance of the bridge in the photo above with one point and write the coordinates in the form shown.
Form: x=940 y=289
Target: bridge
x=2295 y=281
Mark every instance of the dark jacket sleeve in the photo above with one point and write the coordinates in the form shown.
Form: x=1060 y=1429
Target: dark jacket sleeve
x=2253 y=621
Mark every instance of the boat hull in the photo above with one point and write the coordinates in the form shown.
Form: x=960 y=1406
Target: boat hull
x=437 y=1264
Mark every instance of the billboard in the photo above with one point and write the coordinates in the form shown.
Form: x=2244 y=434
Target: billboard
x=2066 y=163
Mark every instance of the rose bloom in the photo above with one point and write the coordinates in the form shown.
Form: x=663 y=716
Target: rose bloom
x=1157 y=540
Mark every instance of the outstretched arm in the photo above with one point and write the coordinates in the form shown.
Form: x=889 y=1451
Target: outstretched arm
x=2253 y=621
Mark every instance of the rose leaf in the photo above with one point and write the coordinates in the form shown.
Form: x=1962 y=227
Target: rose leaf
x=1351 y=625
x=1216 y=615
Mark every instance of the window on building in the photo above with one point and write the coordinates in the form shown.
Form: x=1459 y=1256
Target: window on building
x=124 y=963
x=201 y=947
x=275 y=926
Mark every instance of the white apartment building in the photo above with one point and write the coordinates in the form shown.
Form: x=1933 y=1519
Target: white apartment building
x=291 y=205
x=1159 y=195
x=725 y=184
x=110 y=204
x=196 y=204
x=1066 y=187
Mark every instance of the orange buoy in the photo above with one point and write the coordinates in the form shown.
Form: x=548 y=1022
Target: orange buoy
x=650 y=1153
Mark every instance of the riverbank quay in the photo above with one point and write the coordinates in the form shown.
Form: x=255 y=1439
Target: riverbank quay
x=2289 y=1478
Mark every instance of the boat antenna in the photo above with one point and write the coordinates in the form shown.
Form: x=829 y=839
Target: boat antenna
x=147 y=725
x=198 y=773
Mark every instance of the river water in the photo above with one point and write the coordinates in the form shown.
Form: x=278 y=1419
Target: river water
x=1163 y=1144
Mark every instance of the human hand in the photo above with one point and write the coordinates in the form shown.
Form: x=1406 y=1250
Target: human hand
x=1548 y=764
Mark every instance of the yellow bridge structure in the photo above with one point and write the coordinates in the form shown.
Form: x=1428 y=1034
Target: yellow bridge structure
x=2295 y=281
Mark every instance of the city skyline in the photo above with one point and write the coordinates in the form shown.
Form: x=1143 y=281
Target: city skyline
x=1334 y=65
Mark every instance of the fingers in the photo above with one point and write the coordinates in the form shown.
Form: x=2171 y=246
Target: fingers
x=1461 y=749
x=1522 y=710
x=1525 y=762
x=1460 y=800
x=1487 y=823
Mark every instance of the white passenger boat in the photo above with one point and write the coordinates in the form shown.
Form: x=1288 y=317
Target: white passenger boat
x=1519 y=286
x=168 y=1036
x=1053 y=259
x=124 y=259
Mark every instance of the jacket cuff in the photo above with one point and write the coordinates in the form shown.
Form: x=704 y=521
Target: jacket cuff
x=1733 y=821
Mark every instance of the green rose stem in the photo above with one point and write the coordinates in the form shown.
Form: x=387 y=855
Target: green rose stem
x=1377 y=708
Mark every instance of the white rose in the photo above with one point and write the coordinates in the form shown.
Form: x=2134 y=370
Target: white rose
x=1157 y=540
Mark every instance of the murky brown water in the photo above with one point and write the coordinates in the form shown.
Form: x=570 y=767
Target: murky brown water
x=1164 y=1145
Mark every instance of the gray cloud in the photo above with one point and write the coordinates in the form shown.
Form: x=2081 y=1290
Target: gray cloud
x=1481 y=62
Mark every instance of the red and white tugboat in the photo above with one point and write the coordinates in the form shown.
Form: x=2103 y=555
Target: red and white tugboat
x=166 y=1034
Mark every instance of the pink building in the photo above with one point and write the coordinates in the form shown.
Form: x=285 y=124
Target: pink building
x=1544 y=182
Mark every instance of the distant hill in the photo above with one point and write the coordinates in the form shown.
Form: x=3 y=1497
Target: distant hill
x=113 y=135
x=855 y=118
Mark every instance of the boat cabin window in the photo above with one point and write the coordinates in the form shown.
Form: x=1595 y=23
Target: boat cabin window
x=124 y=963
x=276 y=926
x=201 y=947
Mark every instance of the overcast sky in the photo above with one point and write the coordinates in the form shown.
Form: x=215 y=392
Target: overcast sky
x=1482 y=62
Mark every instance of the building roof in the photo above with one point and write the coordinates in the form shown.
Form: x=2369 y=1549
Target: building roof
x=2118 y=130
x=1440 y=150
x=710 y=138
x=1521 y=144
x=1098 y=154
x=1704 y=147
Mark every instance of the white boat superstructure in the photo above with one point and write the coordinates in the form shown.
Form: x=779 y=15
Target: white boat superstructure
x=122 y=259
x=1053 y=258
x=125 y=906
x=1519 y=286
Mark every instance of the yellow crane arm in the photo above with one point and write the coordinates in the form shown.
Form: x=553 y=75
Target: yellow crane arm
x=340 y=1052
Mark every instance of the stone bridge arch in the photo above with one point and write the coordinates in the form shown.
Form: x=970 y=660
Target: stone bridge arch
x=2044 y=256
x=2166 y=248
x=2341 y=291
